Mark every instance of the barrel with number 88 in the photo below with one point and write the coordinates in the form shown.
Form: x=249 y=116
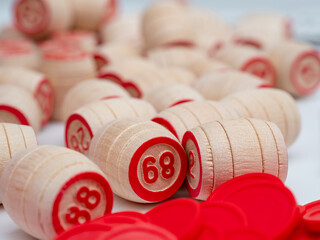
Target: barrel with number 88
x=48 y=189
x=142 y=160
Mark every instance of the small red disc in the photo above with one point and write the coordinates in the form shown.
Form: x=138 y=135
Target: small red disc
x=244 y=180
x=223 y=216
x=182 y=217
x=209 y=233
x=245 y=234
x=140 y=232
x=270 y=207
x=311 y=216
x=122 y=218
x=84 y=232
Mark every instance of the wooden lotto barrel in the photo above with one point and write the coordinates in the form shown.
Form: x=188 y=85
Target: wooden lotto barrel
x=37 y=18
x=34 y=82
x=90 y=91
x=271 y=105
x=91 y=15
x=262 y=30
x=298 y=67
x=19 y=52
x=221 y=150
x=48 y=189
x=210 y=31
x=86 y=121
x=183 y=117
x=249 y=59
x=165 y=23
x=17 y=105
x=219 y=84
x=169 y=94
x=66 y=66
x=143 y=161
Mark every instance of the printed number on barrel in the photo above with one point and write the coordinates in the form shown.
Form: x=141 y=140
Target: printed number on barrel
x=79 y=146
x=191 y=156
x=151 y=171
x=90 y=198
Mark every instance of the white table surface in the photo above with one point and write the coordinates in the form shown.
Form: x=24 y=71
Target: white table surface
x=304 y=161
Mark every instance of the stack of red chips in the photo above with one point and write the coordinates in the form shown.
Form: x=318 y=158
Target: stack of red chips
x=254 y=206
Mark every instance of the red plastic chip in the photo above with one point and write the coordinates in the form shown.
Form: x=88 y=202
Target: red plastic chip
x=182 y=217
x=244 y=180
x=84 y=232
x=209 y=233
x=141 y=232
x=245 y=234
x=223 y=216
x=122 y=218
x=311 y=216
x=301 y=233
x=270 y=207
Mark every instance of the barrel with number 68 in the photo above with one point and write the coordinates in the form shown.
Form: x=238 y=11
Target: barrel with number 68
x=142 y=160
x=48 y=189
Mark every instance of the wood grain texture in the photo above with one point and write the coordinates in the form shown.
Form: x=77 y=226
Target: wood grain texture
x=65 y=67
x=205 y=66
x=120 y=72
x=219 y=84
x=142 y=160
x=298 y=67
x=181 y=118
x=249 y=59
x=262 y=30
x=50 y=14
x=14 y=139
x=41 y=187
x=169 y=94
x=170 y=20
x=176 y=56
x=271 y=105
x=34 y=82
x=123 y=29
x=19 y=52
x=91 y=15
x=86 y=121
x=210 y=31
x=221 y=150
x=90 y=91
x=179 y=75
x=114 y=52
x=17 y=105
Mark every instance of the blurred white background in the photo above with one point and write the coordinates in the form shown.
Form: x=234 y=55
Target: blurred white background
x=304 y=158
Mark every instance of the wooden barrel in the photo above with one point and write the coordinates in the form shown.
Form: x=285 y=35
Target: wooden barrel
x=90 y=91
x=183 y=117
x=221 y=150
x=86 y=121
x=298 y=67
x=143 y=161
x=17 y=105
x=272 y=105
x=36 y=83
x=169 y=94
x=38 y=18
x=48 y=189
